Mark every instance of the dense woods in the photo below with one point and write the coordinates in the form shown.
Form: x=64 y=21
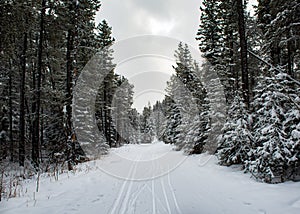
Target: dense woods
x=256 y=59
x=44 y=47
x=257 y=62
x=253 y=60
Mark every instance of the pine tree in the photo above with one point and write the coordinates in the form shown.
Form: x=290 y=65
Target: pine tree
x=121 y=108
x=217 y=37
x=104 y=36
x=214 y=107
x=278 y=20
x=173 y=120
x=274 y=154
x=158 y=118
x=238 y=48
x=105 y=92
x=237 y=139
x=209 y=33
x=147 y=126
x=186 y=124
x=243 y=51
x=40 y=41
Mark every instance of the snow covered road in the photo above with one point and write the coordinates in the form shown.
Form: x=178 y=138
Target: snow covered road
x=152 y=178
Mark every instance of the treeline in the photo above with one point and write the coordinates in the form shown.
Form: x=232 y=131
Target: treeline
x=242 y=103
x=43 y=47
x=257 y=61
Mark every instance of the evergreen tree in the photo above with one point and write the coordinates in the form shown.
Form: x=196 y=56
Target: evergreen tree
x=134 y=120
x=238 y=48
x=236 y=141
x=40 y=41
x=278 y=20
x=186 y=124
x=173 y=119
x=209 y=33
x=104 y=36
x=147 y=126
x=214 y=107
x=158 y=119
x=274 y=155
x=106 y=91
x=121 y=108
x=217 y=37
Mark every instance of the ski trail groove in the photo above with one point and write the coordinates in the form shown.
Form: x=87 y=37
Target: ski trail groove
x=117 y=201
x=153 y=189
x=125 y=203
x=135 y=196
x=165 y=193
x=173 y=195
x=157 y=169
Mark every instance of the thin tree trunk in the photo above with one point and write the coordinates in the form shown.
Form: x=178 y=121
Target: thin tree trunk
x=22 y=103
x=106 y=131
x=36 y=122
x=41 y=134
x=233 y=70
x=243 y=46
x=70 y=40
x=290 y=56
x=11 y=146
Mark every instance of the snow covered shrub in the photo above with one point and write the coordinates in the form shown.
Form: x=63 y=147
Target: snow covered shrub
x=275 y=156
x=235 y=143
x=291 y=127
x=192 y=136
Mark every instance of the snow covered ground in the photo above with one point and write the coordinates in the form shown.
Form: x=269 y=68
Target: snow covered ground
x=152 y=178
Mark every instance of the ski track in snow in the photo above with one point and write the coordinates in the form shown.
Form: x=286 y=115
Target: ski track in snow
x=134 y=196
x=128 y=182
x=129 y=190
x=165 y=195
x=143 y=179
x=153 y=188
x=296 y=203
x=173 y=195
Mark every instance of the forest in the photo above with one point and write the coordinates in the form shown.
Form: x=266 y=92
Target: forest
x=254 y=60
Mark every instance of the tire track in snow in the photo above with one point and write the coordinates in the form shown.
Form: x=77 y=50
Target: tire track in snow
x=117 y=202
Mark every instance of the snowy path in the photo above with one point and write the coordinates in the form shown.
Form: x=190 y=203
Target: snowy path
x=154 y=179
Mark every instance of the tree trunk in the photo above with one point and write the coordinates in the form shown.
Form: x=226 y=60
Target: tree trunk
x=106 y=122
x=243 y=46
x=11 y=146
x=22 y=102
x=289 y=56
x=36 y=122
x=70 y=41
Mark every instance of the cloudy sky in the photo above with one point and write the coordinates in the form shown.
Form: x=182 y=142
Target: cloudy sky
x=178 y=19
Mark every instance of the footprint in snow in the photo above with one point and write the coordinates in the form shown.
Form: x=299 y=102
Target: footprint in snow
x=296 y=203
x=98 y=198
x=262 y=211
x=247 y=203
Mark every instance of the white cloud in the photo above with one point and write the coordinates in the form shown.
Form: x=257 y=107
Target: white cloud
x=159 y=27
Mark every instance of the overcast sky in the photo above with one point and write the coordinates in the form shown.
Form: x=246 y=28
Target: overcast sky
x=178 y=19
